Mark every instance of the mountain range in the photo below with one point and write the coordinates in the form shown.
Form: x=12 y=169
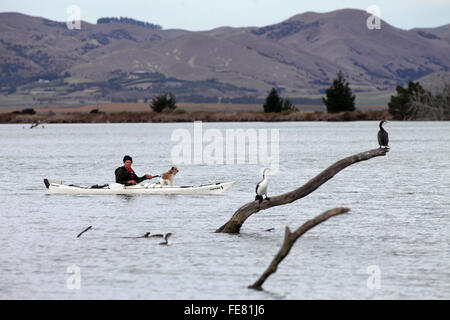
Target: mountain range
x=301 y=56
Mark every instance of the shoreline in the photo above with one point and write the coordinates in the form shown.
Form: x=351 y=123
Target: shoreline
x=184 y=116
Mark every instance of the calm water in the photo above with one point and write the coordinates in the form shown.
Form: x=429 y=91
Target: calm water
x=399 y=218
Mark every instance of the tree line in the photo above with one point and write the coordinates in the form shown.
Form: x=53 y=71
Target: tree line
x=414 y=102
x=410 y=103
x=129 y=21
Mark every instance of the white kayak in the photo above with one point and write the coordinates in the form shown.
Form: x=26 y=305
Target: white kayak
x=58 y=187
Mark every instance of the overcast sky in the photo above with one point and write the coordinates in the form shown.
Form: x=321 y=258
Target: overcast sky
x=198 y=15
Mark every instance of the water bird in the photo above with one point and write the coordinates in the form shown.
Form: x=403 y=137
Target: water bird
x=37 y=123
x=159 y=235
x=166 y=239
x=383 y=137
x=146 y=235
x=261 y=187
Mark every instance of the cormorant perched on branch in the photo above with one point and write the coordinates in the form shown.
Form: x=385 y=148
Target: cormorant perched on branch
x=261 y=187
x=383 y=137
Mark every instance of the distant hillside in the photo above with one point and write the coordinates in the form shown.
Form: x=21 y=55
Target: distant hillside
x=439 y=33
x=122 y=59
x=435 y=82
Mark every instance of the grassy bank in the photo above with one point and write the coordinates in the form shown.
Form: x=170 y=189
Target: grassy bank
x=183 y=116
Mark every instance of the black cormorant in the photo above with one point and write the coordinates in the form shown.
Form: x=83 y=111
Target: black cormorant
x=383 y=137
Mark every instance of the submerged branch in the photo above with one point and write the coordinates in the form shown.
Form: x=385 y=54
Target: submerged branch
x=88 y=228
x=289 y=240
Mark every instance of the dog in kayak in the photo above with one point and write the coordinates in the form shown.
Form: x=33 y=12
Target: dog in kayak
x=166 y=178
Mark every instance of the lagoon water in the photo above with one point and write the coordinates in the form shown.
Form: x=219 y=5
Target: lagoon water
x=393 y=244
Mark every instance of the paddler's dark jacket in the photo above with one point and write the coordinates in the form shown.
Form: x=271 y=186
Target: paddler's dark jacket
x=123 y=175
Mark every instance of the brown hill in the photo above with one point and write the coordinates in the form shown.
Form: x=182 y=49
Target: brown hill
x=123 y=62
x=438 y=33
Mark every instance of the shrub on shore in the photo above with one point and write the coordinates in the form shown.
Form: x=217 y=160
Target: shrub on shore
x=164 y=102
x=274 y=103
x=339 y=96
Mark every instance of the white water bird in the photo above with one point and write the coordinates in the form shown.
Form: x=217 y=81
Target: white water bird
x=261 y=187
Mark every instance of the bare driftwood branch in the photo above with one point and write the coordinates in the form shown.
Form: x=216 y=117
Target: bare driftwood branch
x=239 y=217
x=289 y=240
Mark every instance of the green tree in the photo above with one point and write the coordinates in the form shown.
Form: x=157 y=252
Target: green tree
x=164 y=101
x=339 y=96
x=288 y=106
x=400 y=106
x=273 y=102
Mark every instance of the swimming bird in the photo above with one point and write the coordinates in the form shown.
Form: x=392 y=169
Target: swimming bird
x=157 y=235
x=146 y=235
x=35 y=124
x=166 y=239
x=383 y=137
x=261 y=187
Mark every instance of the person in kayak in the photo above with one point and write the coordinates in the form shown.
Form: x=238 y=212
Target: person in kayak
x=126 y=175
